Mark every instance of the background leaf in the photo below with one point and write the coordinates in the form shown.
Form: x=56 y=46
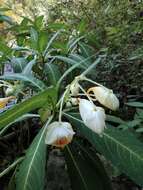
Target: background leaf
x=37 y=101
x=123 y=149
x=85 y=168
x=31 y=173
x=27 y=78
x=135 y=104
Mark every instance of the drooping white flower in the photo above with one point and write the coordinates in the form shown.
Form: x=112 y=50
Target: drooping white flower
x=59 y=134
x=106 y=97
x=92 y=116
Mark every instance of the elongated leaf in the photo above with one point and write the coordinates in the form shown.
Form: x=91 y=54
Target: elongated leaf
x=19 y=76
x=18 y=64
x=28 y=68
x=74 y=42
x=23 y=117
x=39 y=22
x=51 y=41
x=11 y=167
x=114 y=119
x=57 y=26
x=86 y=50
x=70 y=61
x=31 y=173
x=135 y=104
x=78 y=58
x=6 y=19
x=49 y=96
x=121 y=148
x=85 y=169
x=34 y=38
x=53 y=73
x=42 y=41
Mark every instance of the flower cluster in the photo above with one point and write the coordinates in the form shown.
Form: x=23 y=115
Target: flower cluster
x=94 y=116
x=61 y=133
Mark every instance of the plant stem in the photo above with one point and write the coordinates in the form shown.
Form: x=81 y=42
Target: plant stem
x=91 y=67
x=85 y=93
x=61 y=105
x=7 y=170
x=89 y=80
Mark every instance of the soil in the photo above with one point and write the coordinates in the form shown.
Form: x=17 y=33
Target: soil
x=57 y=176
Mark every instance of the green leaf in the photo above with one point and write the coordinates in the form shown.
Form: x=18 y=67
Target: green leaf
x=42 y=41
x=34 y=38
x=135 y=104
x=51 y=41
x=18 y=64
x=114 y=119
x=53 y=73
x=82 y=26
x=6 y=19
x=57 y=26
x=73 y=42
x=31 y=173
x=27 y=78
x=21 y=118
x=38 y=23
x=78 y=58
x=4 y=48
x=28 y=68
x=85 y=168
x=11 y=167
x=123 y=149
x=71 y=61
x=37 y=101
x=130 y=124
x=85 y=50
x=139 y=130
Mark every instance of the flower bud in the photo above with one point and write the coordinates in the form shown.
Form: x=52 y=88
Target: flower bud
x=68 y=104
x=74 y=88
x=59 y=134
x=92 y=116
x=74 y=101
x=106 y=97
x=9 y=91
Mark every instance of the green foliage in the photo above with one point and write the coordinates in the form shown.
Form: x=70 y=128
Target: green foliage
x=46 y=57
x=47 y=97
x=31 y=173
x=83 y=163
x=122 y=148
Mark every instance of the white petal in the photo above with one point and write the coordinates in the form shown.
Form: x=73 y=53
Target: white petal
x=97 y=122
x=92 y=116
x=86 y=109
x=106 y=97
x=59 y=130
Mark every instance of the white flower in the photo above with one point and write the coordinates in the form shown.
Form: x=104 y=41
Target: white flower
x=74 y=88
x=106 y=97
x=92 y=116
x=9 y=90
x=59 y=134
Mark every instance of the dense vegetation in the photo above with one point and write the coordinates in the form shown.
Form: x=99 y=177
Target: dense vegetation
x=49 y=46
